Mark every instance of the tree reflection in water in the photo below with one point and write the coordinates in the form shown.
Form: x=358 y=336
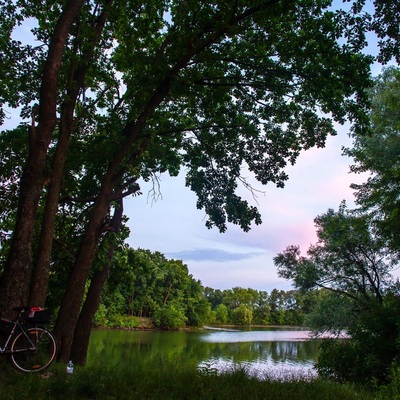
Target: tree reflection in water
x=280 y=360
x=275 y=354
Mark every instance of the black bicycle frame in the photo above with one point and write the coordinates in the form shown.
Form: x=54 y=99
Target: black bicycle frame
x=6 y=350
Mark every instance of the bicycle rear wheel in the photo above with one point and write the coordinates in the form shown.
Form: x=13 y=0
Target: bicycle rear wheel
x=28 y=358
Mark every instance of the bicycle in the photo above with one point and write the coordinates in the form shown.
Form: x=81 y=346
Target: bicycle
x=31 y=346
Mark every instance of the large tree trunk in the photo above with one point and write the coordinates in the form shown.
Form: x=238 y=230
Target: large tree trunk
x=73 y=296
x=15 y=280
x=84 y=326
x=40 y=278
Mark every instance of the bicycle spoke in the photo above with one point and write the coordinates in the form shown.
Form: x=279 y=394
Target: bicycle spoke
x=34 y=354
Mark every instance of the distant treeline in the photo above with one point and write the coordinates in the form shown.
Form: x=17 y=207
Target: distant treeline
x=147 y=284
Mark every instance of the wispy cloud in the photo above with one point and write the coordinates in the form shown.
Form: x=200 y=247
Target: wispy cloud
x=211 y=255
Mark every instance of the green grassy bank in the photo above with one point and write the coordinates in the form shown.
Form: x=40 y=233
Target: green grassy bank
x=165 y=382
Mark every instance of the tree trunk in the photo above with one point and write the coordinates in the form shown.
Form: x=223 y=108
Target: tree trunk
x=168 y=293
x=40 y=277
x=15 y=280
x=73 y=296
x=83 y=329
x=84 y=326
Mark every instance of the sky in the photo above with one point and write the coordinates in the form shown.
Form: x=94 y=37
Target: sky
x=172 y=224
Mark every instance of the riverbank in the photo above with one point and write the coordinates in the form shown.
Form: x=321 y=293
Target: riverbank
x=148 y=324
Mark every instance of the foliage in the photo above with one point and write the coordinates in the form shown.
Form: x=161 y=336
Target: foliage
x=356 y=254
x=214 y=296
x=146 y=284
x=247 y=93
x=340 y=361
x=386 y=25
x=349 y=258
x=261 y=308
x=278 y=307
x=378 y=154
x=166 y=381
x=221 y=313
x=372 y=350
x=100 y=318
x=170 y=316
x=121 y=321
x=331 y=312
x=390 y=391
x=198 y=311
x=13 y=149
x=242 y=315
x=372 y=353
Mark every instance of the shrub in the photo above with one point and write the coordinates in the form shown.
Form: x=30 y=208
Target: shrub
x=100 y=318
x=170 y=316
x=242 y=315
x=392 y=389
x=371 y=350
x=121 y=321
x=338 y=360
x=222 y=313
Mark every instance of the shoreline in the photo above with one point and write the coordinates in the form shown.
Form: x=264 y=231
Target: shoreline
x=147 y=324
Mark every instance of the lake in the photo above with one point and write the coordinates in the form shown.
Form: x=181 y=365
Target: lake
x=278 y=353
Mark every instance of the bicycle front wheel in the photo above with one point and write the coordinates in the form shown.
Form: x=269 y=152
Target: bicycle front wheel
x=33 y=350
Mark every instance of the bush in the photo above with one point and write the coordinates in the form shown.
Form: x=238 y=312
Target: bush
x=391 y=391
x=222 y=313
x=338 y=360
x=130 y=321
x=118 y=321
x=242 y=315
x=212 y=318
x=100 y=318
x=197 y=312
x=170 y=317
x=371 y=350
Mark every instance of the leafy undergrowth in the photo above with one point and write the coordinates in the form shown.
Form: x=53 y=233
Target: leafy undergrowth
x=99 y=382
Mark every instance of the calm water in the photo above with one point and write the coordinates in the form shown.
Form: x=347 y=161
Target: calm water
x=269 y=352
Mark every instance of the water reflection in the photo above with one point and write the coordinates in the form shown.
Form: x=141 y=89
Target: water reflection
x=262 y=353
x=278 y=354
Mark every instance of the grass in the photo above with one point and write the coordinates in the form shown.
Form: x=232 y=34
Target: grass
x=105 y=382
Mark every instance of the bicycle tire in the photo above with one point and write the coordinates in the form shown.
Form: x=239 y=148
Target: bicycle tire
x=27 y=360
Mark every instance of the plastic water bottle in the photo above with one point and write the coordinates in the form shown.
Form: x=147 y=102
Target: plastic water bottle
x=70 y=368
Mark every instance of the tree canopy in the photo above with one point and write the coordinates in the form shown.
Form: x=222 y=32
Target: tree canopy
x=145 y=284
x=378 y=154
x=349 y=258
